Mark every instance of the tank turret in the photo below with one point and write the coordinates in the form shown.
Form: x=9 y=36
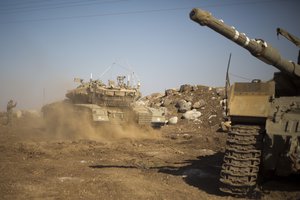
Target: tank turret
x=257 y=47
x=112 y=94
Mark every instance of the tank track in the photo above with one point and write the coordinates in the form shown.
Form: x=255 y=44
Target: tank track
x=239 y=172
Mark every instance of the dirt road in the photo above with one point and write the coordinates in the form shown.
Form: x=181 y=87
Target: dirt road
x=171 y=163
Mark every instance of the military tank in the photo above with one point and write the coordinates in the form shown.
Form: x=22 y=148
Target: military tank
x=264 y=137
x=114 y=103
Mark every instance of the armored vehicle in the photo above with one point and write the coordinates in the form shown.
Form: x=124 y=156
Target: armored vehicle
x=265 y=116
x=112 y=103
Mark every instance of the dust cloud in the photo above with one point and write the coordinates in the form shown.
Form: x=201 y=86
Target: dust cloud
x=64 y=122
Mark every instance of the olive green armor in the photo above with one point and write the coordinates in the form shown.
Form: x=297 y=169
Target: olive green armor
x=265 y=116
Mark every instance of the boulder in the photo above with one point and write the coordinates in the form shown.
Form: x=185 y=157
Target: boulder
x=185 y=88
x=170 y=92
x=199 y=104
x=173 y=120
x=166 y=102
x=188 y=98
x=183 y=106
x=192 y=114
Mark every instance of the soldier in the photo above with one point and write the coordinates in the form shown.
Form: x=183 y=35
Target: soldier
x=9 y=109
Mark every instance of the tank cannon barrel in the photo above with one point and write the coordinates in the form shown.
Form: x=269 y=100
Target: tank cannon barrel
x=256 y=47
x=295 y=40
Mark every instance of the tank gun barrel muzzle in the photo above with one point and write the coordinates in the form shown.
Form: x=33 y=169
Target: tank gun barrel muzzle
x=256 y=47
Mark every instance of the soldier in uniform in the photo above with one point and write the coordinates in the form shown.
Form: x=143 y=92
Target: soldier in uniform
x=9 y=109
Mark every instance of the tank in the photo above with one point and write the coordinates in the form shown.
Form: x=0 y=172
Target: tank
x=114 y=103
x=264 y=137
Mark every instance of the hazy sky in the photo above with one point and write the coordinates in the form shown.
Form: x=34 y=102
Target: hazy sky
x=44 y=44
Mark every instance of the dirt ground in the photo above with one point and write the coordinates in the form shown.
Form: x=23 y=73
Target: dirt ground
x=174 y=162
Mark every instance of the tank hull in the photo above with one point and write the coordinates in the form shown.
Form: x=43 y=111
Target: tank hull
x=264 y=138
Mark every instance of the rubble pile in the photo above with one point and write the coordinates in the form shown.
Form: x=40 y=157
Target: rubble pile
x=190 y=104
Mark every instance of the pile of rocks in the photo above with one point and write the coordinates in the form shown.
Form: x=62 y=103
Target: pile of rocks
x=198 y=104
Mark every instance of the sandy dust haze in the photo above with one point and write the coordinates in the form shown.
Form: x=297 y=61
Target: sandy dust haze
x=63 y=123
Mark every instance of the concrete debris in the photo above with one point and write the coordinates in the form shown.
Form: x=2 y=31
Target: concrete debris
x=170 y=92
x=173 y=120
x=185 y=88
x=192 y=114
x=183 y=106
x=208 y=100
x=199 y=104
x=167 y=102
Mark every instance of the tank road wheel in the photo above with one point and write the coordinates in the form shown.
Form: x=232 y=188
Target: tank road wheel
x=241 y=161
